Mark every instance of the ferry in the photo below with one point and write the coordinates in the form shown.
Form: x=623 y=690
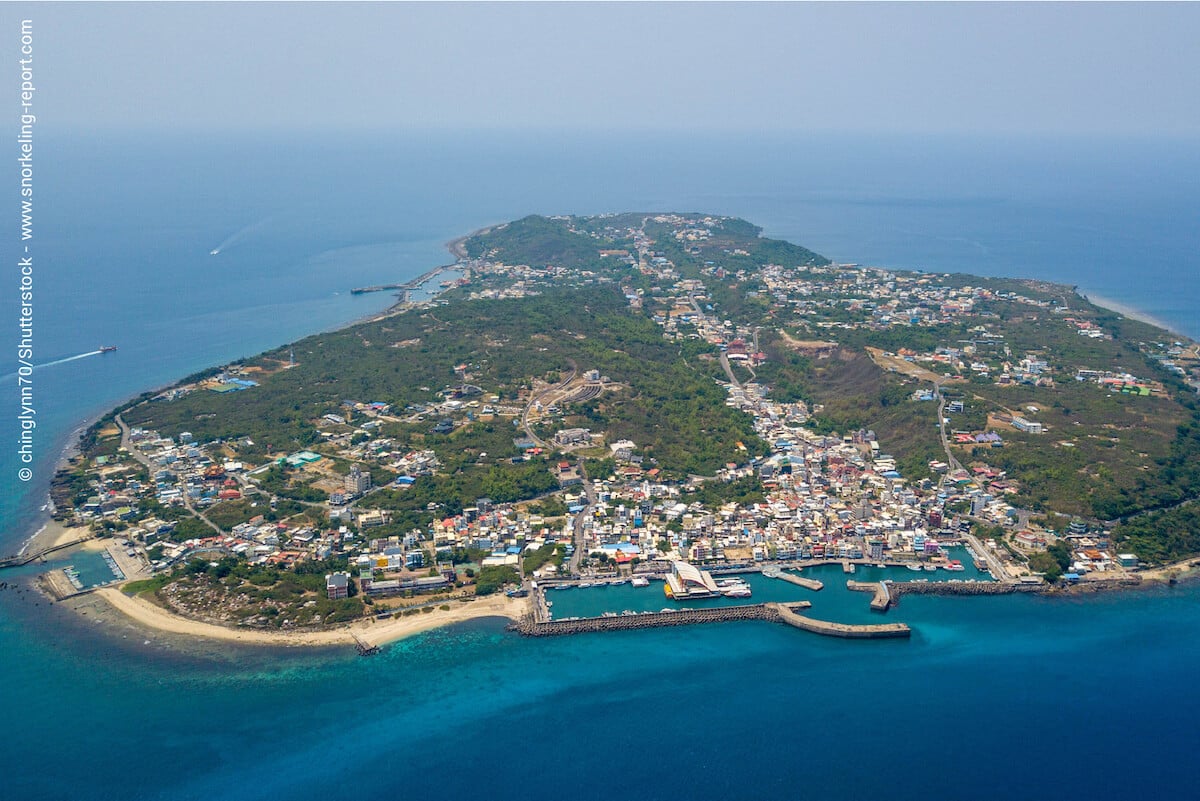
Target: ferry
x=734 y=588
x=640 y=581
x=107 y=348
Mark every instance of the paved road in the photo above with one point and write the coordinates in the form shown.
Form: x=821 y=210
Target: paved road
x=537 y=397
x=137 y=454
x=581 y=518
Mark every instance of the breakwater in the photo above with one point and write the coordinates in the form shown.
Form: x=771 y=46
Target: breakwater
x=24 y=559
x=882 y=594
x=900 y=588
x=846 y=630
x=406 y=286
x=799 y=581
x=531 y=626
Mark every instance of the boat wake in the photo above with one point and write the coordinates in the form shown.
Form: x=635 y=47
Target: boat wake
x=57 y=361
x=240 y=234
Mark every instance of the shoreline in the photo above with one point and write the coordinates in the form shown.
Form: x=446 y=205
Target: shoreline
x=374 y=632
x=1128 y=311
x=70 y=448
x=371 y=631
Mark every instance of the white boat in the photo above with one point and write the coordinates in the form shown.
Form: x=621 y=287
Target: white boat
x=930 y=568
x=913 y=567
x=640 y=581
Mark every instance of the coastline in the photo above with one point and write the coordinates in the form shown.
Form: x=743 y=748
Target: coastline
x=43 y=522
x=371 y=632
x=1128 y=311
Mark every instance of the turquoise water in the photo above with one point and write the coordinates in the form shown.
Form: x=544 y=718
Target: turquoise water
x=992 y=697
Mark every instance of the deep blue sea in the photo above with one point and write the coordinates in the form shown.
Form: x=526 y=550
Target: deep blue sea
x=992 y=698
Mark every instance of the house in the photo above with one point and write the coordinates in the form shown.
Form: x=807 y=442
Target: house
x=337 y=585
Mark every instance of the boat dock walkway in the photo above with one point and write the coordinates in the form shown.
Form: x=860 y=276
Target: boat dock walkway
x=24 y=559
x=800 y=581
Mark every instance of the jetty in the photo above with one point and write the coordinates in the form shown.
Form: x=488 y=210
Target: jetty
x=800 y=581
x=882 y=594
x=407 y=285
x=24 y=559
x=531 y=626
x=846 y=630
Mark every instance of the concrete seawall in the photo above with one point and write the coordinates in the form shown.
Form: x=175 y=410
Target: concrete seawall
x=900 y=588
x=684 y=617
x=773 y=612
x=882 y=595
x=854 y=632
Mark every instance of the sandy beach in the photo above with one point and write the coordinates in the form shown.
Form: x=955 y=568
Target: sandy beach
x=53 y=534
x=1128 y=311
x=371 y=632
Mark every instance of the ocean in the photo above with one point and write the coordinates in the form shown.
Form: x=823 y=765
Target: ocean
x=993 y=697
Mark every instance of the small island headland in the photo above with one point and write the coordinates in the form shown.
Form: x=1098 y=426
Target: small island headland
x=632 y=397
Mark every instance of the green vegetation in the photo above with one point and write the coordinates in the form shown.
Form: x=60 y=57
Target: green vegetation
x=493 y=578
x=550 y=552
x=1161 y=536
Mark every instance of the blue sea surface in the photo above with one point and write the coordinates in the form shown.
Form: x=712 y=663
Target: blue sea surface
x=993 y=697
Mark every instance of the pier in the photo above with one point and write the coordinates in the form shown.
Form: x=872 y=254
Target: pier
x=407 y=285
x=800 y=581
x=24 y=559
x=883 y=596
x=845 y=630
x=530 y=626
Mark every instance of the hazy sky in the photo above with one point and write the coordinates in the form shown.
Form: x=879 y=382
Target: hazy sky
x=854 y=67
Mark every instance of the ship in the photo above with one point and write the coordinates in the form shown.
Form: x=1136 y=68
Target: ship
x=107 y=348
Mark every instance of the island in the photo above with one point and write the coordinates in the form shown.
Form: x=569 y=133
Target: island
x=637 y=397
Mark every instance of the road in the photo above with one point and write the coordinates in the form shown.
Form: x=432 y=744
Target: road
x=995 y=565
x=941 y=412
x=137 y=454
x=538 y=397
x=581 y=519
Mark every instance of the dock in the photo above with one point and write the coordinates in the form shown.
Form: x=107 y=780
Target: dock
x=407 y=285
x=24 y=559
x=363 y=647
x=771 y=612
x=845 y=630
x=800 y=581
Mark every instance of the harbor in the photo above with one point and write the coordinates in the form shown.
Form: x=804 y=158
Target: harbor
x=770 y=612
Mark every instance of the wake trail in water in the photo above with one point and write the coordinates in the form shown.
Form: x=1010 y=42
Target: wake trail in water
x=240 y=234
x=57 y=361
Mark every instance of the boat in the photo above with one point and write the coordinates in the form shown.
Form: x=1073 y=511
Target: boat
x=640 y=581
x=734 y=588
x=913 y=567
x=881 y=566
x=930 y=568
x=954 y=564
x=107 y=348
x=214 y=251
